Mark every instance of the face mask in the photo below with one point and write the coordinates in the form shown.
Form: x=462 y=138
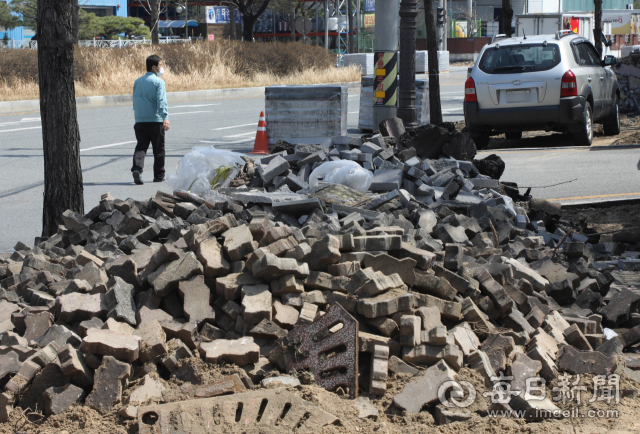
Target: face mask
x=160 y=72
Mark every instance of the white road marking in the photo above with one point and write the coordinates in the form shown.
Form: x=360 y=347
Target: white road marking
x=190 y=113
x=187 y=106
x=240 y=135
x=107 y=146
x=235 y=126
x=20 y=129
x=21 y=121
x=227 y=143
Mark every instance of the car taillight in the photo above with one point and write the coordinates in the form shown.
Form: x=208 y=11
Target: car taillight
x=569 y=86
x=470 y=91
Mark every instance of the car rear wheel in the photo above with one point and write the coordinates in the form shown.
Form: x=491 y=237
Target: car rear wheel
x=516 y=135
x=481 y=140
x=612 y=126
x=584 y=137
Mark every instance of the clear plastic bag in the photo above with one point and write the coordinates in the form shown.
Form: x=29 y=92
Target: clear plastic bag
x=343 y=172
x=197 y=168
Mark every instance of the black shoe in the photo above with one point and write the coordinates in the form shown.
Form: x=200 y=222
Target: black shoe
x=137 y=178
x=158 y=179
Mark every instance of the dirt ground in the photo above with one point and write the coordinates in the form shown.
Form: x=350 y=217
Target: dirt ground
x=77 y=420
x=629 y=134
x=606 y=219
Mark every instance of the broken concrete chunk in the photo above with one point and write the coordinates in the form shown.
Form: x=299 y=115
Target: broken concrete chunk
x=424 y=391
x=148 y=390
x=285 y=316
x=152 y=343
x=177 y=350
x=271 y=267
x=168 y=276
x=585 y=362
x=256 y=300
x=209 y=253
x=78 y=307
x=119 y=298
x=58 y=399
x=238 y=242
x=110 y=380
x=73 y=366
x=379 y=370
x=240 y=351
x=195 y=296
x=108 y=343
x=385 y=304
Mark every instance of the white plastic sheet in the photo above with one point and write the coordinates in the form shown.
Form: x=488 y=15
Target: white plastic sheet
x=197 y=168
x=343 y=172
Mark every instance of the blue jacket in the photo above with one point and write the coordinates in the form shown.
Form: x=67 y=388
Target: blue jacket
x=150 y=99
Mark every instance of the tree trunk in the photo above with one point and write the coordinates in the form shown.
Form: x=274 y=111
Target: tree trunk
x=292 y=23
x=435 y=110
x=597 y=29
x=507 y=15
x=155 y=16
x=247 y=33
x=63 y=188
x=232 y=21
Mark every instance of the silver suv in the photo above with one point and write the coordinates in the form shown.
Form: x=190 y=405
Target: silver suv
x=544 y=82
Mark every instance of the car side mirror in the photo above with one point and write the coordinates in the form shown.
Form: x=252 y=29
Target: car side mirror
x=609 y=60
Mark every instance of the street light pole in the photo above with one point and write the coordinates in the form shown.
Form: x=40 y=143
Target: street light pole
x=407 y=93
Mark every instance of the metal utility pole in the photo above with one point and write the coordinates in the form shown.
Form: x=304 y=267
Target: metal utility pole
x=326 y=24
x=407 y=102
x=470 y=18
x=441 y=30
x=385 y=58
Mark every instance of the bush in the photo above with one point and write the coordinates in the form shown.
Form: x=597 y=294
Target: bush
x=279 y=59
x=196 y=66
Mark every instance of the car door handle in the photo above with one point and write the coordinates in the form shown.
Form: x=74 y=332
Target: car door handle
x=589 y=79
x=601 y=78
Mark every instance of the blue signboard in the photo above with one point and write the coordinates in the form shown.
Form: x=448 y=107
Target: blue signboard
x=369 y=5
x=220 y=15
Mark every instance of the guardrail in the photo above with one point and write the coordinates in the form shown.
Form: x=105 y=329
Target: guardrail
x=120 y=43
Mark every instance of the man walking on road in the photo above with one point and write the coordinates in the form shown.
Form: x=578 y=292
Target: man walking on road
x=152 y=119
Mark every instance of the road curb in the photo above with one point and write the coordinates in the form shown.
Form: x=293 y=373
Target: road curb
x=600 y=204
x=8 y=107
x=571 y=148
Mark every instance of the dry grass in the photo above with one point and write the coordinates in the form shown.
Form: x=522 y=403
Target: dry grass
x=199 y=66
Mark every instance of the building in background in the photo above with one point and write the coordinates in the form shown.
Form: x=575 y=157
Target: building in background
x=102 y=8
x=489 y=13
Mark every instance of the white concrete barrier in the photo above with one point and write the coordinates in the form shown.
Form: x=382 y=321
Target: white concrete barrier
x=305 y=114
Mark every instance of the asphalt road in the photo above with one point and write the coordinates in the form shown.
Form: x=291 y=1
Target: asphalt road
x=108 y=141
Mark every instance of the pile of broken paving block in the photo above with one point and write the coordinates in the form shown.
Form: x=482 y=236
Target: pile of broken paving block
x=437 y=267
x=628 y=75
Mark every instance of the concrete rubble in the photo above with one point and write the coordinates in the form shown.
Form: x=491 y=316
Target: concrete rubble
x=438 y=267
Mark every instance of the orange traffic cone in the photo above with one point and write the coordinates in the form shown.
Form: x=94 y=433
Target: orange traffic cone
x=261 y=146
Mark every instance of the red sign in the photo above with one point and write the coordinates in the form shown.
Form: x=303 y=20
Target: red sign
x=571 y=23
x=211 y=37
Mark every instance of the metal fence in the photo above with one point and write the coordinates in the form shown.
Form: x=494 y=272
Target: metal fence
x=121 y=43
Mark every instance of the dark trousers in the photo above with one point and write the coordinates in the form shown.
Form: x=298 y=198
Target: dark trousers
x=149 y=133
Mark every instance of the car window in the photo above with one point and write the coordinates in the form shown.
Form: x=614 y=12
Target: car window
x=593 y=54
x=520 y=58
x=585 y=54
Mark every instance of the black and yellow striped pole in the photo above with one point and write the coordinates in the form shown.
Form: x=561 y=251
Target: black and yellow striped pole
x=385 y=83
x=385 y=58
